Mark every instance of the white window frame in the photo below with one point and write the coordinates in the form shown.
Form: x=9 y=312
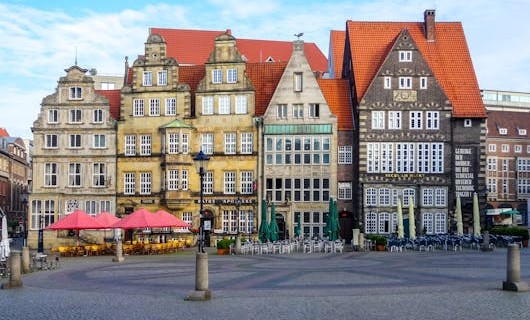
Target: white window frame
x=171 y=106
x=100 y=141
x=405 y=82
x=518 y=148
x=74 y=175
x=423 y=83
x=468 y=123
x=440 y=197
x=387 y=82
x=432 y=121
x=345 y=154
x=405 y=56
x=217 y=76
x=208 y=182
x=147 y=78
x=229 y=182
x=75 y=116
x=50 y=174
x=130 y=145
x=145 y=145
x=314 y=110
x=162 y=78
x=297 y=82
x=231 y=76
x=207 y=140
x=492 y=147
x=99 y=173
x=298 y=111
x=172 y=179
x=427 y=198
x=247 y=143
x=129 y=183
x=230 y=143
x=97 y=116
x=207 y=105
x=370 y=198
x=281 y=111
x=154 y=107
x=75 y=141
x=51 y=141
x=138 y=108
x=344 y=190
x=241 y=104
x=53 y=116
x=505 y=148
x=75 y=93
x=247 y=182
x=394 y=120
x=415 y=120
x=378 y=120
x=224 y=104
x=145 y=182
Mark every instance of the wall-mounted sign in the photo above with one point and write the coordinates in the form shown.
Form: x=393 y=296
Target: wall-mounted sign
x=465 y=171
x=405 y=95
x=402 y=176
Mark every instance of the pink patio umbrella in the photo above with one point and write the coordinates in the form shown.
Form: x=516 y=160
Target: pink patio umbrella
x=141 y=218
x=77 y=220
x=107 y=219
x=166 y=219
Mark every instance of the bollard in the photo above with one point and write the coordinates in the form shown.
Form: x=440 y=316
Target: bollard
x=513 y=271
x=25 y=260
x=14 y=278
x=201 y=293
x=119 y=252
x=486 y=242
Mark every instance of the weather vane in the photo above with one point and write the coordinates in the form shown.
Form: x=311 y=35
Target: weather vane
x=298 y=35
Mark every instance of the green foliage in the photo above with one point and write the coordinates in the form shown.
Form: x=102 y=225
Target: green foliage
x=225 y=243
x=510 y=231
x=378 y=238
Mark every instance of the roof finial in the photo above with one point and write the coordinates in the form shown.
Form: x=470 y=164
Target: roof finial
x=298 y=35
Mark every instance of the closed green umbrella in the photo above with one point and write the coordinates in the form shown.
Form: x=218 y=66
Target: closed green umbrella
x=334 y=217
x=264 y=226
x=273 y=226
x=298 y=228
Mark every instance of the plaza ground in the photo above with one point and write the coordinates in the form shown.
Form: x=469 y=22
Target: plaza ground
x=351 y=285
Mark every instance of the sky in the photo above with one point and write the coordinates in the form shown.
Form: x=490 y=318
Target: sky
x=40 y=39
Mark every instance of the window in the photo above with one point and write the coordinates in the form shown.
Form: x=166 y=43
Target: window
x=162 y=78
x=241 y=104
x=231 y=76
x=207 y=143
x=440 y=224
x=98 y=175
x=51 y=141
x=521 y=132
x=74 y=175
x=229 y=221
x=107 y=86
x=409 y=194
x=432 y=120
x=230 y=143
x=505 y=165
x=387 y=82
x=440 y=198
x=518 y=148
x=345 y=154
x=371 y=222
x=184 y=180
x=224 y=104
x=37 y=212
x=76 y=93
x=384 y=196
x=75 y=141
x=492 y=164
x=208 y=182
x=378 y=119
x=75 y=116
x=154 y=107
x=345 y=191
x=171 y=106
x=405 y=83
x=384 y=223
x=428 y=198
x=147 y=78
x=145 y=145
x=505 y=148
x=246 y=143
x=468 y=123
x=173 y=143
x=184 y=145
x=405 y=56
x=394 y=120
x=229 y=182
x=145 y=183
x=98 y=116
x=423 y=82
x=99 y=141
x=314 y=110
x=130 y=145
x=172 y=179
x=492 y=147
x=492 y=185
x=297 y=82
x=53 y=116
x=428 y=223
x=503 y=131
x=247 y=182
x=91 y=207
x=50 y=174
x=416 y=119
x=298 y=111
x=104 y=206
x=405 y=157
x=281 y=111
x=129 y=183
x=207 y=105
x=371 y=197
x=217 y=76
x=138 y=107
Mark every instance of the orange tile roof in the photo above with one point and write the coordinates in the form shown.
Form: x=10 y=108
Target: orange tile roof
x=114 y=97
x=448 y=57
x=194 y=47
x=4 y=133
x=337 y=41
x=337 y=94
x=512 y=121
x=264 y=78
x=191 y=75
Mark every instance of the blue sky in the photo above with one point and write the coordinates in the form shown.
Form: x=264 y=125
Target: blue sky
x=40 y=38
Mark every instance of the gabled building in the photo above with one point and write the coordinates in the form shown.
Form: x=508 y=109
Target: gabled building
x=74 y=159
x=419 y=118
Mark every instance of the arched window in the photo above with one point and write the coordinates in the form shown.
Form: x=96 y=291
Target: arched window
x=384 y=222
x=371 y=222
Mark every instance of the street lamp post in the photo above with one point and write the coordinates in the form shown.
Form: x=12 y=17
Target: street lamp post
x=201 y=292
x=238 y=238
x=40 y=241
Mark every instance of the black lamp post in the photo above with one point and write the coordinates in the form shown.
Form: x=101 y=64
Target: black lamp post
x=238 y=238
x=201 y=292
x=40 y=243
x=24 y=197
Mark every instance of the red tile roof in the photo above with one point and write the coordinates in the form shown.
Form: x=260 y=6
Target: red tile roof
x=4 y=133
x=194 y=47
x=511 y=121
x=337 y=41
x=191 y=75
x=337 y=94
x=114 y=101
x=448 y=57
x=264 y=78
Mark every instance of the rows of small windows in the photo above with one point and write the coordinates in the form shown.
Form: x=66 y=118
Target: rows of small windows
x=161 y=79
x=230 y=220
x=407 y=157
x=297 y=190
x=297 y=150
x=386 y=223
x=76 y=116
x=523 y=186
x=46 y=209
x=75 y=141
x=429 y=120
x=76 y=172
x=405 y=82
x=217 y=76
x=492 y=147
x=224 y=105
x=313 y=224
x=246 y=143
x=154 y=107
x=178 y=180
x=312 y=110
x=523 y=164
x=389 y=197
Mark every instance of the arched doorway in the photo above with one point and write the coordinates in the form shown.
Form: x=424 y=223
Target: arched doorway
x=346 y=226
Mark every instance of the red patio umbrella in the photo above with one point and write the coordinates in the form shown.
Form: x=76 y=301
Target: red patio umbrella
x=107 y=219
x=77 y=220
x=141 y=218
x=166 y=219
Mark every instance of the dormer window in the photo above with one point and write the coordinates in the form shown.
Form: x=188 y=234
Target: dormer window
x=231 y=76
x=503 y=131
x=522 y=132
x=76 y=93
x=217 y=76
x=405 y=56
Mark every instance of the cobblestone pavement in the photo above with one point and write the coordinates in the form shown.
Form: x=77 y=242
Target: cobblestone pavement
x=352 y=285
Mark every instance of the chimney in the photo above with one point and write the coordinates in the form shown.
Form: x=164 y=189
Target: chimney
x=428 y=17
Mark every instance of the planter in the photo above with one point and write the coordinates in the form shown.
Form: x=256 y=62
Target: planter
x=223 y=251
x=380 y=247
x=525 y=243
